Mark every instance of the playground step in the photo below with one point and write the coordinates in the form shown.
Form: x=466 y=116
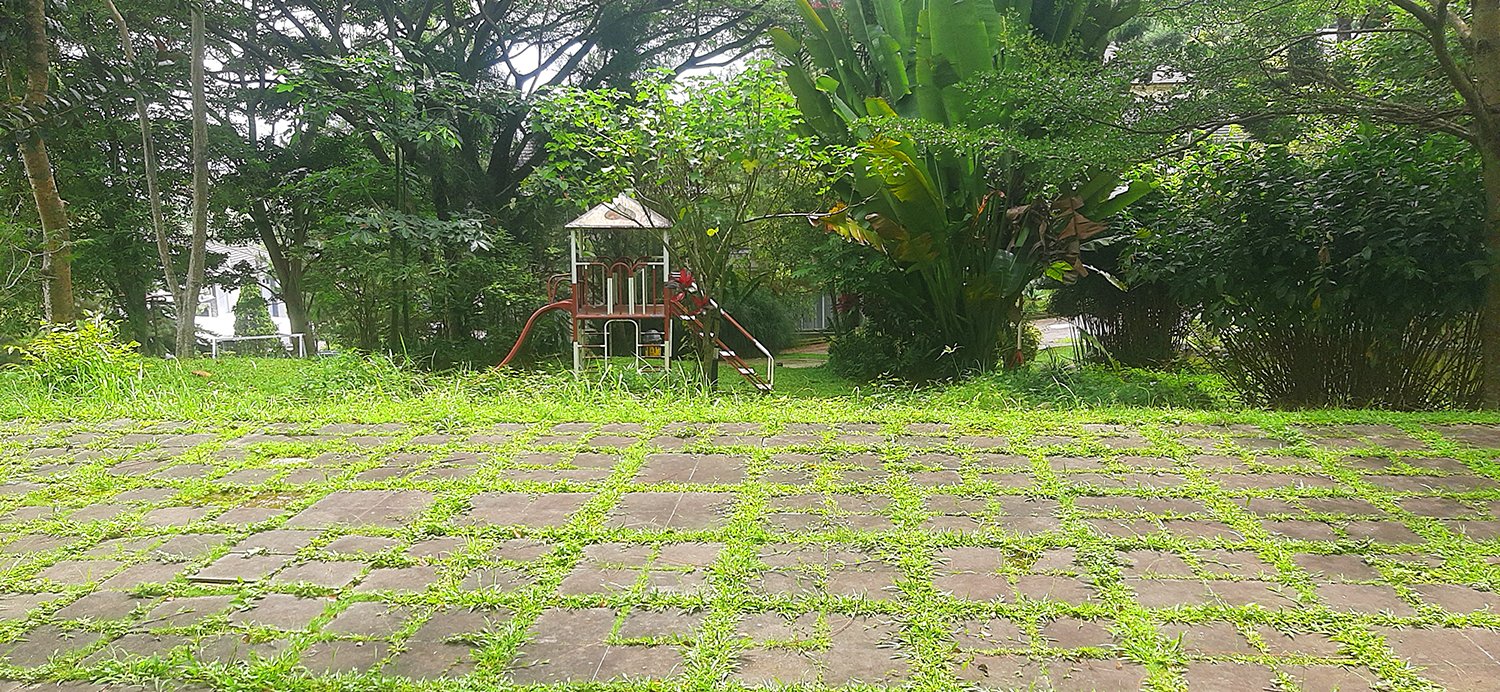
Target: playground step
x=727 y=354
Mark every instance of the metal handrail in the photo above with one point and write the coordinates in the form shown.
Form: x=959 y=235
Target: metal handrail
x=300 y=338
x=770 y=359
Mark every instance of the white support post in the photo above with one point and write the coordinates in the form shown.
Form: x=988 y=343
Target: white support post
x=573 y=275
x=666 y=277
x=630 y=288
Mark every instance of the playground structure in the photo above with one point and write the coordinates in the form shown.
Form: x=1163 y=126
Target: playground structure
x=624 y=297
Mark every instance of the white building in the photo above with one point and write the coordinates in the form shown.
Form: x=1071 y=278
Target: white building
x=216 y=303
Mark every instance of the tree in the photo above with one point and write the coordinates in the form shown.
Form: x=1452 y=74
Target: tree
x=192 y=286
x=149 y=168
x=1465 y=49
x=252 y=317
x=1429 y=64
x=721 y=157
x=56 y=266
x=970 y=176
x=504 y=54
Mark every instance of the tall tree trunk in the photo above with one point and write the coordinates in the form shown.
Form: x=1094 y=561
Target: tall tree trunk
x=57 y=252
x=1486 y=54
x=148 y=154
x=289 y=269
x=187 y=308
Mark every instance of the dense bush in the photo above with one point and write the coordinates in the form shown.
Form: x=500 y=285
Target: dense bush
x=1142 y=325
x=252 y=317
x=770 y=317
x=1348 y=275
x=85 y=357
x=875 y=350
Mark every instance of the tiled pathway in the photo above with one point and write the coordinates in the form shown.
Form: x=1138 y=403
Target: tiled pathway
x=712 y=555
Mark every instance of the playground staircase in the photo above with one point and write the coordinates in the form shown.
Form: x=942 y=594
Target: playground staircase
x=726 y=354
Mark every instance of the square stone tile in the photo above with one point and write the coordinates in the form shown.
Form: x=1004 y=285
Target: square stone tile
x=38 y=646
x=1229 y=676
x=79 y=571
x=244 y=516
x=1365 y=598
x=776 y=668
x=16 y=606
x=1053 y=588
x=355 y=544
x=1337 y=567
x=1234 y=563
x=240 y=567
x=274 y=542
x=136 y=645
x=143 y=573
x=496 y=578
x=570 y=646
x=1142 y=563
x=175 y=516
x=990 y=634
x=1171 y=593
x=426 y=661
x=1454 y=658
x=692 y=468
x=1456 y=598
x=343 y=656
x=102 y=606
x=280 y=611
x=1209 y=639
x=688 y=511
x=1073 y=633
x=659 y=625
x=329 y=575
x=189 y=546
x=522 y=509
x=369 y=619
x=863 y=649
x=1389 y=532
x=383 y=508
x=185 y=611
x=401 y=579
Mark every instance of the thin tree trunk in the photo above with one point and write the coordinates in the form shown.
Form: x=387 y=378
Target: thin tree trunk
x=148 y=151
x=187 y=308
x=1489 y=328
x=1486 y=54
x=57 y=252
x=288 y=268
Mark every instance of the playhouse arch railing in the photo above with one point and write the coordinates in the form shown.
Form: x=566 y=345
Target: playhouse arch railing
x=622 y=287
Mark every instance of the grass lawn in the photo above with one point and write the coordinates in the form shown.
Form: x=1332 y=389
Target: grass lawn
x=272 y=524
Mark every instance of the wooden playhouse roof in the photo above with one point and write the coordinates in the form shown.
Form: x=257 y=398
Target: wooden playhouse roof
x=620 y=213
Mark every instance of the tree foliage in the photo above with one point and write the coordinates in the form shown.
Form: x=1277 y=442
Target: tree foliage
x=1348 y=270
x=965 y=176
x=723 y=158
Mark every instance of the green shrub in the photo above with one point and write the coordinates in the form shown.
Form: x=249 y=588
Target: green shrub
x=252 y=317
x=1344 y=273
x=1144 y=326
x=84 y=357
x=864 y=355
x=1031 y=343
x=766 y=315
x=873 y=352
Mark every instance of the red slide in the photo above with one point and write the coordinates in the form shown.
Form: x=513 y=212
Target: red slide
x=559 y=305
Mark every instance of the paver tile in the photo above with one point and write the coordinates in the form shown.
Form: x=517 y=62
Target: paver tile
x=385 y=508
x=522 y=509
x=1457 y=659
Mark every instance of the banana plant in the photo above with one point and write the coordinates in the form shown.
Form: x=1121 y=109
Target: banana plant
x=902 y=81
